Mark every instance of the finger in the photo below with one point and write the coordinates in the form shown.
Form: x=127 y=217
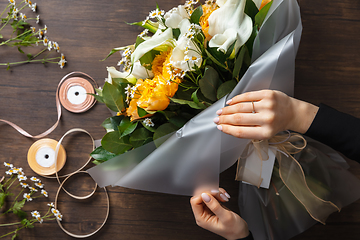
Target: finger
x=248 y=132
x=214 y=205
x=197 y=206
x=243 y=107
x=223 y=191
x=239 y=119
x=219 y=194
x=248 y=97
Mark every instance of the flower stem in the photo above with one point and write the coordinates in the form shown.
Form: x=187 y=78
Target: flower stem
x=15 y=38
x=12 y=232
x=9 y=224
x=29 y=61
x=5 y=9
x=10 y=184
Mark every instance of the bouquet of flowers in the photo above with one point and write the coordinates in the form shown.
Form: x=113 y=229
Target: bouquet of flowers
x=194 y=57
x=165 y=98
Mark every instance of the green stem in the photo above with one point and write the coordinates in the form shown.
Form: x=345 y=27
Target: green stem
x=5 y=24
x=29 y=61
x=9 y=224
x=39 y=53
x=8 y=180
x=12 y=232
x=16 y=198
x=5 y=9
x=10 y=184
x=15 y=38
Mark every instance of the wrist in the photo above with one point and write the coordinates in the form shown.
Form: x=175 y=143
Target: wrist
x=303 y=114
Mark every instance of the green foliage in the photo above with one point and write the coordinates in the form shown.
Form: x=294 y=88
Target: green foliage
x=126 y=127
x=250 y=9
x=113 y=143
x=18 y=206
x=101 y=155
x=164 y=130
x=3 y=196
x=260 y=17
x=140 y=137
x=113 y=98
x=210 y=83
x=195 y=16
x=226 y=88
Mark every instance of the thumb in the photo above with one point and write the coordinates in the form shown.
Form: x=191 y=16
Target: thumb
x=214 y=205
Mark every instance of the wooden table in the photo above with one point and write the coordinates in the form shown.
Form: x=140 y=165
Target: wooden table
x=327 y=70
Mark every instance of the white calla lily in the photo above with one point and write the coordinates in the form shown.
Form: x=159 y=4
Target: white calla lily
x=159 y=40
x=175 y=16
x=257 y=3
x=228 y=24
x=113 y=73
x=138 y=71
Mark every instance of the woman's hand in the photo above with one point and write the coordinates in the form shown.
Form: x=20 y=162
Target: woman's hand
x=262 y=114
x=211 y=215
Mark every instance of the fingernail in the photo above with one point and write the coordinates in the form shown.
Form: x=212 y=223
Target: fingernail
x=219 y=127
x=218 y=112
x=229 y=101
x=227 y=195
x=216 y=120
x=215 y=191
x=224 y=197
x=205 y=197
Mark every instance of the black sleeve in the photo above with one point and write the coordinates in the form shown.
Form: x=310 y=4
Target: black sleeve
x=338 y=130
x=249 y=237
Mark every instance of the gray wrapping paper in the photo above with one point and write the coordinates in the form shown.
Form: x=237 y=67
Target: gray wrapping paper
x=192 y=158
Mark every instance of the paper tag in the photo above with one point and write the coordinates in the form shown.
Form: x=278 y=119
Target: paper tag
x=267 y=167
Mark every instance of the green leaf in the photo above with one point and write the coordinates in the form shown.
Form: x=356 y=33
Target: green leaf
x=178 y=121
x=250 y=9
x=148 y=57
x=163 y=130
x=140 y=137
x=176 y=33
x=26 y=223
x=151 y=129
x=29 y=56
x=217 y=57
x=1 y=36
x=209 y=83
x=111 y=53
x=14 y=236
x=239 y=61
x=20 y=50
x=113 y=143
x=111 y=124
x=18 y=205
x=21 y=214
x=194 y=97
x=101 y=154
x=195 y=16
x=119 y=81
x=260 y=17
x=190 y=103
x=250 y=42
x=141 y=112
x=97 y=97
x=226 y=88
x=113 y=97
x=3 y=198
x=126 y=127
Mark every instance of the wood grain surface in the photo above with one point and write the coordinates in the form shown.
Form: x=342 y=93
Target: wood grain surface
x=327 y=70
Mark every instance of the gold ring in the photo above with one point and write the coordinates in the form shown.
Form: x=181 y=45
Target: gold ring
x=253 y=111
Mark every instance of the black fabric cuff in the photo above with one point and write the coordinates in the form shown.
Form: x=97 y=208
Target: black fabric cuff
x=249 y=237
x=338 y=130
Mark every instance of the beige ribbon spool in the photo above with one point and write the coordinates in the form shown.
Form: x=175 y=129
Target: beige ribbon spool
x=57 y=156
x=80 y=108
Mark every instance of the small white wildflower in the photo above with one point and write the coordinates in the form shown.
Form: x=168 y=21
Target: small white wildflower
x=45 y=29
x=34 y=179
x=27 y=197
x=148 y=122
x=144 y=21
x=144 y=33
x=49 y=46
x=33 y=29
x=51 y=205
x=39 y=185
x=33 y=189
x=15 y=10
x=24 y=185
x=23 y=17
x=33 y=7
x=62 y=61
x=55 y=211
x=12 y=2
x=39 y=219
x=59 y=217
x=14 y=16
x=22 y=178
x=35 y=214
x=44 y=192
x=37 y=19
x=10 y=172
x=156 y=13
x=8 y=165
x=46 y=41
x=41 y=34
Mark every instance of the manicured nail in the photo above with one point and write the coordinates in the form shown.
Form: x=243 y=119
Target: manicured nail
x=224 y=197
x=215 y=191
x=216 y=120
x=229 y=101
x=218 y=112
x=205 y=197
x=219 y=127
x=227 y=195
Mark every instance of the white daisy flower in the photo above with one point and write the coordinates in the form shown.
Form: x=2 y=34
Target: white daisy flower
x=144 y=33
x=46 y=41
x=33 y=7
x=45 y=193
x=156 y=13
x=34 y=179
x=49 y=46
x=23 y=17
x=59 y=217
x=55 y=211
x=62 y=61
x=8 y=165
x=41 y=34
x=35 y=214
x=22 y=178
x=15 y=10
x=33 y=189
x=39 y=219
x=33 y=29
x=51 y=205
x=148 y=122
x=37 y=19
x=27 y=197
x=39 y=184
x=12 y=2
x=24 y=185
x=10 y=172
x=45 y=29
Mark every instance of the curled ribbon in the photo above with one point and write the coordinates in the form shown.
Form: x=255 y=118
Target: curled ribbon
x=290 y=171
x=58 y=108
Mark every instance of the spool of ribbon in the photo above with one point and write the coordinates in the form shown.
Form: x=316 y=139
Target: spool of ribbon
x=56 y=153
x=290 y=171
x=72 y=95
